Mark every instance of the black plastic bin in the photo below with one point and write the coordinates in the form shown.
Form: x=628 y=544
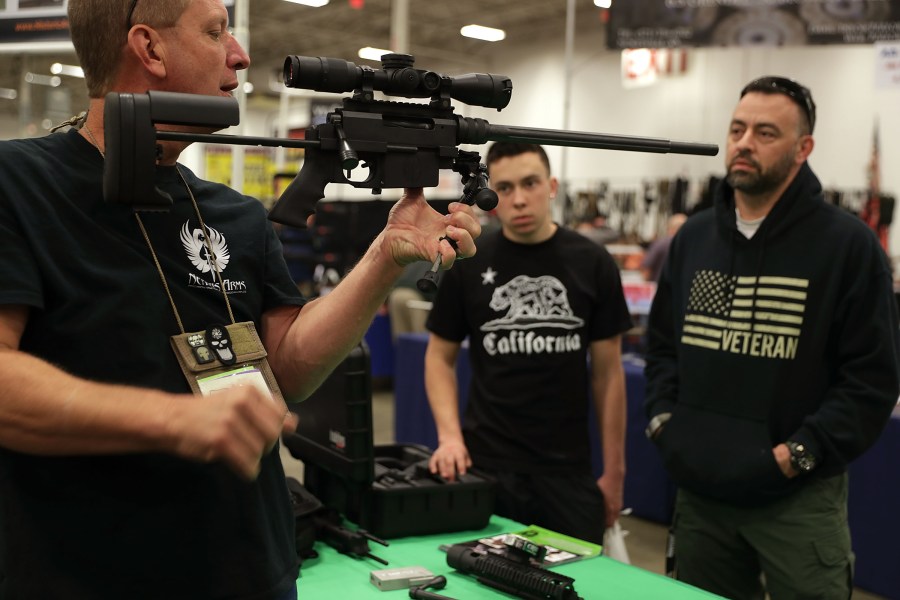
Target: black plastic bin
x=387 y=489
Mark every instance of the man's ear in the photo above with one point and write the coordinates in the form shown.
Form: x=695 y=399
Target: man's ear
x=148 y=48
x=807 y=143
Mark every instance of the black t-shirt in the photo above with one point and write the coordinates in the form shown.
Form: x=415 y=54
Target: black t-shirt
x=143 y=525
x=530 y=313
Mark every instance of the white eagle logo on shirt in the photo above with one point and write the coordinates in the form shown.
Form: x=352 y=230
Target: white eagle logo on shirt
x=198 y=251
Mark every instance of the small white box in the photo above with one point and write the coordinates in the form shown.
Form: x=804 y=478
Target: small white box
x=400 y=578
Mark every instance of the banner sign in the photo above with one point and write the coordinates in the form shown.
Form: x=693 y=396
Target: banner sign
x=34 y=29
x=27 y=21
x=887 y=65
x=699 y=23
x=33 y=21
x=644 y=66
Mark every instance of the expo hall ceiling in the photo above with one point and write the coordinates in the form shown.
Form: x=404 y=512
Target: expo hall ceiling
x=278 y=28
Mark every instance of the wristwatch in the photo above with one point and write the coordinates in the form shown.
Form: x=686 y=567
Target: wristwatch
x=802 y=459
x=656 y=424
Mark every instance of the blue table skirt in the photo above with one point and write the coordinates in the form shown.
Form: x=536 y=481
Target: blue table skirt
x=874 y=513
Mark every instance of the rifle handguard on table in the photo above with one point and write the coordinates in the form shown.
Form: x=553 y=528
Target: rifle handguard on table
x=518 y=578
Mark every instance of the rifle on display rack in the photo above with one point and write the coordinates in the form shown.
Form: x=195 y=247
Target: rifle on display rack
x=400 y=144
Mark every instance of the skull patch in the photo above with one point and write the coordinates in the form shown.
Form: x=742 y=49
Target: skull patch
x=219 y=341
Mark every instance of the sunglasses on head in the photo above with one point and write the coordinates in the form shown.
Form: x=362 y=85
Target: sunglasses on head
x=788 y=87
x=130 y=14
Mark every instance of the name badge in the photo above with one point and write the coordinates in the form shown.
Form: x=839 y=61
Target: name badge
x=243 y=376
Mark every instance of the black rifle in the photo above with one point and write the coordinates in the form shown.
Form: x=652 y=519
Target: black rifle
x=402 y=144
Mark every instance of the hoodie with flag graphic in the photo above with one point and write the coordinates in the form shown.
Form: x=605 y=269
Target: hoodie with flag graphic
x=790 y=335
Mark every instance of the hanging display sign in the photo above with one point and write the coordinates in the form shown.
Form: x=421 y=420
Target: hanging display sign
x=33 y=21
x=644 y=66
x=699 y=23
x=37 y=21
x=887 y=65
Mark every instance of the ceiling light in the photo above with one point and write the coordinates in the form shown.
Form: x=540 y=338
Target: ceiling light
x=38 y=79
x=316 y=3
x=8 y=94
x=603 y=3
x=479 y=32
x=370 y=53
x=70 y=70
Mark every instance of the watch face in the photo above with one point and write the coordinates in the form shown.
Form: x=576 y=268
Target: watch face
x=800 y=459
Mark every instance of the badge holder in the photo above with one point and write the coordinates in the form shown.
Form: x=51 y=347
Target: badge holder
x=225 y=356
x=222 y=356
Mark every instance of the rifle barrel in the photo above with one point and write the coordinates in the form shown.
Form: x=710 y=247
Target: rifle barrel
x=238 y=140
x=601 y=141
x=496 y=133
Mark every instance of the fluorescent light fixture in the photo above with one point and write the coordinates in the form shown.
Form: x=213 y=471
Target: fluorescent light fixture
x=37 y=79
x=603 y=3
x=35 y=47
x=70 y=70
x=479 y=32
x=370 y=53
x=315 y=3
x=8 y=94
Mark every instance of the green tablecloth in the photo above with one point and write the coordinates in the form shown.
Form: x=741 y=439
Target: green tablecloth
x=334 y=575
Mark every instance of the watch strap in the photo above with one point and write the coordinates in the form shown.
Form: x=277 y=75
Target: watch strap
x=656 y=424
x=802 y=460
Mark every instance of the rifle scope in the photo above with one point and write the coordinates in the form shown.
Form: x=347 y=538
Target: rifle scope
x=397 y=77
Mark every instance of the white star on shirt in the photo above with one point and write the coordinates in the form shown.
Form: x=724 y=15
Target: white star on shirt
x=488 y=276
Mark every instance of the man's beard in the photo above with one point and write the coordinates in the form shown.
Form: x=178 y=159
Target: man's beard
x=762 y=180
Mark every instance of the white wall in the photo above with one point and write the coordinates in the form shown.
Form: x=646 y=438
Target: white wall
x=697 y=107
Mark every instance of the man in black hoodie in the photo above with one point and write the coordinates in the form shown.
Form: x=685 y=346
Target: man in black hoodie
x=773 y=361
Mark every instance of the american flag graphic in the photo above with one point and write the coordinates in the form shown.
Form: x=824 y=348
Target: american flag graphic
x=759 y=316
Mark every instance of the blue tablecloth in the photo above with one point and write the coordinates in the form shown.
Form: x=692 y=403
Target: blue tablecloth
x=381 y=346
x=874 y=513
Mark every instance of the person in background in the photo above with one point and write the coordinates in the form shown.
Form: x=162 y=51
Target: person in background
x=655 y=256
x=117 y=481
x=598 y=230
x=773 y=362
x=534 y=303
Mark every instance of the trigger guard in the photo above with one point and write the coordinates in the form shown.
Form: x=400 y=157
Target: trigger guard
x=366 y=183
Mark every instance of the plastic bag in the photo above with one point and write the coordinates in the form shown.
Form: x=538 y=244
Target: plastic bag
x=614 y=543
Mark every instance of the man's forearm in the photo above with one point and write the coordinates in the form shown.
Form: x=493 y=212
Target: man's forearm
x=305 y=346
x=44 y=410
x=608 y=389
x=302 y=351
x=610 y=404
x=443 y=398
